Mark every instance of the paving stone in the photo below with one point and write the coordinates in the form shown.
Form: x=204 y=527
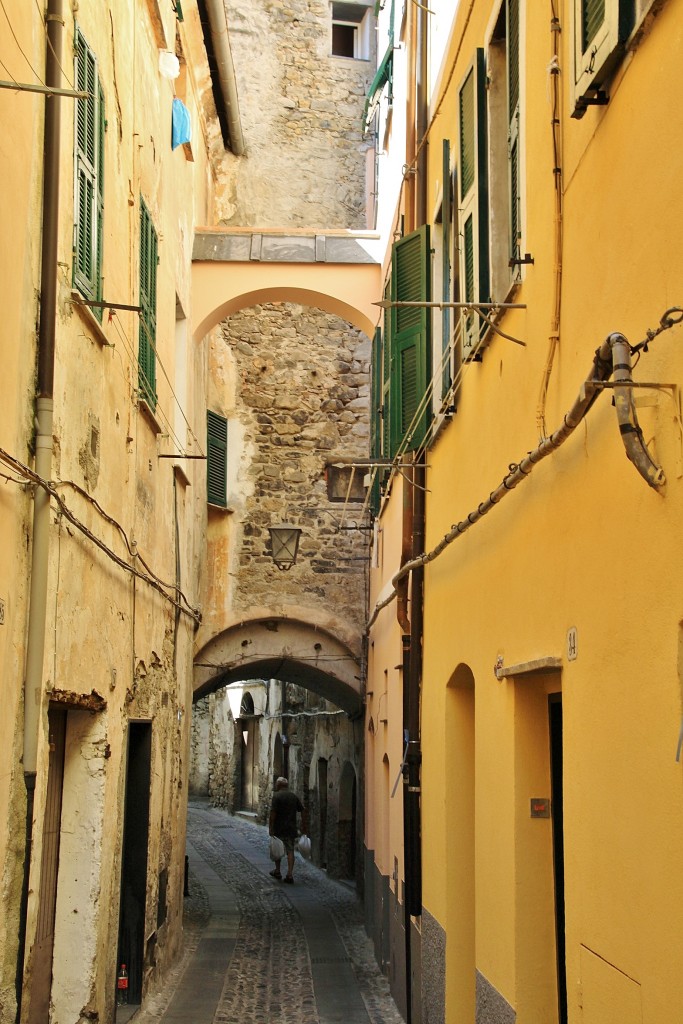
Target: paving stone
x=287 y=954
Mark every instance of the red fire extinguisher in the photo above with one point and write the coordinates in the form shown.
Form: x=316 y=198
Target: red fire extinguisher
x=122 y=985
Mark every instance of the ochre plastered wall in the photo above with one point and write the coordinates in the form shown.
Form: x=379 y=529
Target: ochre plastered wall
x=583 y=544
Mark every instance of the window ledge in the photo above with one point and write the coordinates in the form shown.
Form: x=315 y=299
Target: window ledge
x=220 y=509
x=149 y=415
x=89 y=319
x=181 y=475
x=528 y=668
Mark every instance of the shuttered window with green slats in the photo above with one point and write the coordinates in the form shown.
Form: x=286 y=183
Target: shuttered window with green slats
x=601 y=30
x=512 y=14
x=410 y=341
x=376 y=416
x=386 y=376
x=88 y=175
x=216 y=459
x=592 y=19
x=474 y=268
x=148 y=308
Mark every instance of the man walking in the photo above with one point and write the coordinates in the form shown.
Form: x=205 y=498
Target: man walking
x=282 y=823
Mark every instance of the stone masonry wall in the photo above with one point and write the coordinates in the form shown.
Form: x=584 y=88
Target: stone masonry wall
x=301 y=112
x=302 y=396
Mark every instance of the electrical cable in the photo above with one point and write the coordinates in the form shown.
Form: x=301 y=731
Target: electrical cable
x=517 y=472
x=16 y=40
x=179 y=601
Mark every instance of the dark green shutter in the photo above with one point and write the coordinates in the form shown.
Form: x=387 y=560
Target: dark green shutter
x=376 y=417
x=148 y=308
x=467 y=140
x=446 y=219
x=474 y=197
x=513 y=128
x=410 y=340
x=216 y=459
x=89 y=171
x=592 y=18
x=386 y=376
x=513 y=56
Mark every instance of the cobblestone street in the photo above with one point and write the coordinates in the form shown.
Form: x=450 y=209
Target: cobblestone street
x=259 y=951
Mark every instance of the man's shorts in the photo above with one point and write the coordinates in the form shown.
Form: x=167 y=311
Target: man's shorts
x=288 y=842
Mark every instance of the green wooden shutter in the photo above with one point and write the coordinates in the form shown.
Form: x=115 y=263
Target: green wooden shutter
x=89 y=177
x=410 y=340
x=148 y=307
x=592 y=20
x=446 y=220
x=386 y=376
x=216 y=459
x=376 y=416
x=473 y=213
x=467 y=135
x=512 y=14
x=601 y=28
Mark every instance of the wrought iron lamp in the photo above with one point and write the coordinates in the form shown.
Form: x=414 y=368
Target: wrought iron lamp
x=284 y=544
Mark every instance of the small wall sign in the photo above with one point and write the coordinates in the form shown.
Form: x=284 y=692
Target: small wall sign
x=572 y=644
x=540 y=807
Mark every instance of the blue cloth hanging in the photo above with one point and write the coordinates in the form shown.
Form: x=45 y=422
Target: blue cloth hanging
x=181 y=128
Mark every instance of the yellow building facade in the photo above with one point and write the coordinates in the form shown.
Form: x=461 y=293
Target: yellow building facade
x=111 y=148
x=548 y=748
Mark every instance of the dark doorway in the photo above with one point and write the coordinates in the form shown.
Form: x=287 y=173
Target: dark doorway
x=45 y=930
x=134 y=858
x=555 y=715
x=277 y=759
x=347 y=822
x=249 y=733
x=322 y=810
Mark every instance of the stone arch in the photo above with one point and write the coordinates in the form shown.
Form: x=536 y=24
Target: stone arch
x=288 y=648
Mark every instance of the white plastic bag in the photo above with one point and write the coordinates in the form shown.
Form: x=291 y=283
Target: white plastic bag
x=276 y=850
x=304 y=847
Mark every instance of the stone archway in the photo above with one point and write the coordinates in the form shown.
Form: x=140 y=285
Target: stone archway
x=277 y=647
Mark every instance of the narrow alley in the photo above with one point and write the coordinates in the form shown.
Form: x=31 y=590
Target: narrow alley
x=256 y=950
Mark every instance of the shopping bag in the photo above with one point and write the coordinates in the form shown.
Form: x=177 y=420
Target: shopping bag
x=276 y=849
x=304 y=847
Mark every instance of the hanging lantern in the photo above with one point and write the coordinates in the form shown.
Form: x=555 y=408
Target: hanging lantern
x=284 y=544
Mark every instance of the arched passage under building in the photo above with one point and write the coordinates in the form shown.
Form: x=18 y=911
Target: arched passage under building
x=275 y=647
x=332 y=272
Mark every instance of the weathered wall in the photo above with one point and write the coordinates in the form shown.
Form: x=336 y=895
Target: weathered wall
x=104 y=632
x=301 y=112
x=303 y=396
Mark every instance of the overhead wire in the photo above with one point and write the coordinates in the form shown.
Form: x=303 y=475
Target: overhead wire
x=21 y=49
x=131 y=349
x=176 y=597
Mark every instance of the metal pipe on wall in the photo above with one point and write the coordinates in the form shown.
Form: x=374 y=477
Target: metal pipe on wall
x=226 y=72
x=35 y=641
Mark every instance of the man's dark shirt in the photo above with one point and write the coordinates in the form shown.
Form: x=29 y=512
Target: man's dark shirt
x=285 y=805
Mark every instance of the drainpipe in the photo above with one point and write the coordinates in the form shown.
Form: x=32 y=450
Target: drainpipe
x=412 y=679
x=226 y=72
x=35 y=641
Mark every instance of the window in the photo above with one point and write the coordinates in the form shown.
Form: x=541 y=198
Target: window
x=350 y=31
x=148 y=308
x=89 y=176
x=601 y=27
x=473 y=199
x=505 y=194
x=410 y=341
x=216 y=459
x=443 y=282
